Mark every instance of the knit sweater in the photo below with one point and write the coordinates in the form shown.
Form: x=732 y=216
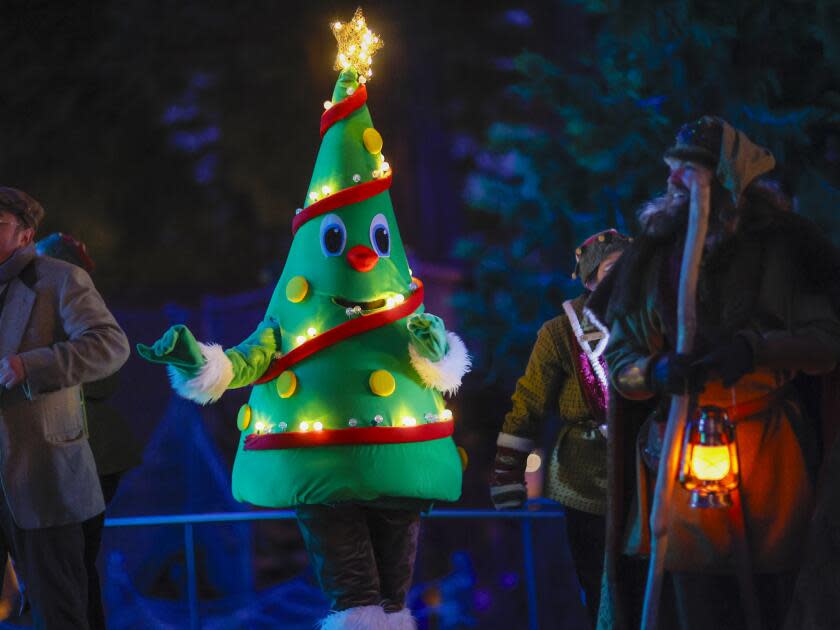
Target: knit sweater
x=553 y=382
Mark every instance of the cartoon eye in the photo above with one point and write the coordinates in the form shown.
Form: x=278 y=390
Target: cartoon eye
x=333 y=235
x=380 y=236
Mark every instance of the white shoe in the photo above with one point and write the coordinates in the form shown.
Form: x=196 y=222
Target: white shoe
x=359 y=618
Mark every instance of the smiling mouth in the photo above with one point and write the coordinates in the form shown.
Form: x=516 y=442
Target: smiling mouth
x=371 y=305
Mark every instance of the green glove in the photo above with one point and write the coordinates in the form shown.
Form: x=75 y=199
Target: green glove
x=428 y=336
x=177 y=347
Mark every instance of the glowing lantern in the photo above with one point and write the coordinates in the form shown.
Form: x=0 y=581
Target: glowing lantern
x=709 y=461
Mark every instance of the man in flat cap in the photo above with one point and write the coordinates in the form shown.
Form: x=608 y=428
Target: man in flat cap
x=55 y=334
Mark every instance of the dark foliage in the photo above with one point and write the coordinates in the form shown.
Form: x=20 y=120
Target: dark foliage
x=581 y=147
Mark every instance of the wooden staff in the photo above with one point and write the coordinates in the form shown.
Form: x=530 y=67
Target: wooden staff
x=698 y=224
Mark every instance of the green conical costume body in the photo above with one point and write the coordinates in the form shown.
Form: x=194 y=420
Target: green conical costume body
x=372 y=459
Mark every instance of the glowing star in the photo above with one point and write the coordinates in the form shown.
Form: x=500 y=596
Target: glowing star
x=356 y=44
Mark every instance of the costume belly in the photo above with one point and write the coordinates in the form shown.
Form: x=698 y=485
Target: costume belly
x=340 y=436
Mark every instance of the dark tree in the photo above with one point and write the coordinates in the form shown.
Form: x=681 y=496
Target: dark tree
x=581 y=146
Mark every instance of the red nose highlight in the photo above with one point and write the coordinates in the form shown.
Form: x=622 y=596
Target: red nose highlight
x=362 y=258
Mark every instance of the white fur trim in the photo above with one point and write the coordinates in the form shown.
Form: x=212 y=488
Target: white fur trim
x=402 y=620
x=211 y=381
x=359 y=618
x=444 y=375
x=510 y=487
x=518 y=495
x=602 y=345
x=515 y=442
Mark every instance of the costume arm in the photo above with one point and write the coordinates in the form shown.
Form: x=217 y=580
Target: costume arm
x=95 y=346
x=439 y=357
x=635 y=340
x=800 y=330
x=227 y=369
x=251 y=358
x=811 y=343
x=535 y=392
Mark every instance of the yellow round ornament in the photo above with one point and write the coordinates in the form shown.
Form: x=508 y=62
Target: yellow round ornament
x=382 y=383
x=372 y=140
x=465 y=459
x=243 y=419
x=286 y=384
x=297 y=289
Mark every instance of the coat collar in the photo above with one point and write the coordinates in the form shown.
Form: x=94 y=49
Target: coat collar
x=13 y=265
x=17 y=306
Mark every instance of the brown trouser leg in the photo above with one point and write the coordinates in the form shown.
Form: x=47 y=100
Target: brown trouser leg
x=362 y=555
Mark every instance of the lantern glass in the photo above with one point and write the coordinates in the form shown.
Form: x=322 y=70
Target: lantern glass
x=709 y=459
x=710 y=463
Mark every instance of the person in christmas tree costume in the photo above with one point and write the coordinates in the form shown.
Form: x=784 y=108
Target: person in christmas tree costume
x=346 y=422
x=567 y=372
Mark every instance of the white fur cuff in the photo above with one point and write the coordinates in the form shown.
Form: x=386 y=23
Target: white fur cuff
x=359 y=618
x=515 y=442
x=444 y=375
x=211 y=381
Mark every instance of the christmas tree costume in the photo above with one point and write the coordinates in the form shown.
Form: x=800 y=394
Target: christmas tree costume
x=346 y=422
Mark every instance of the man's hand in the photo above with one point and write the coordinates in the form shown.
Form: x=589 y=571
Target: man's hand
x=729 y=361
x=177 y=347
x=507 y=483
x=677 y=375
x=12 y=371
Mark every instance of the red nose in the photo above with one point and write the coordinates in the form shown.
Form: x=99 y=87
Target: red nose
x=362 y=258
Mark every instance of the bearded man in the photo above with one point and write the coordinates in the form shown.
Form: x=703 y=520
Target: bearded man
x=768 y=298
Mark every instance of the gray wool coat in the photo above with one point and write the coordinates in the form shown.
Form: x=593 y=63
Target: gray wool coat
x=57 y=322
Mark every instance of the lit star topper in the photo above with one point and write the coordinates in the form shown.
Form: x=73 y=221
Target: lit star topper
x=356 y=44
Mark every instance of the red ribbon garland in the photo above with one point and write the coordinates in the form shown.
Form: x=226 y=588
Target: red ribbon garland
x=350 y=328
x=343 y=108
x=342 y=198
x=361 y=435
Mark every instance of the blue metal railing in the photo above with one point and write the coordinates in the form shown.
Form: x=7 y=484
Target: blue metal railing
x=188 y=521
